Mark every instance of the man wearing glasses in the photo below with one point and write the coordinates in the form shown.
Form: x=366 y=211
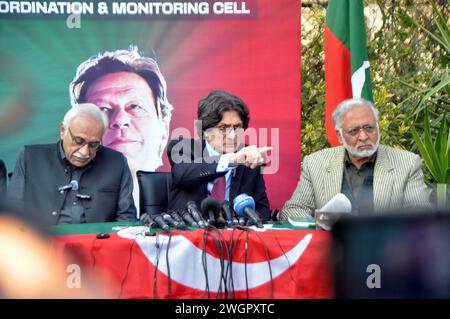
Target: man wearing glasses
x=218 y=164
x=374 y=177
x=75 y=180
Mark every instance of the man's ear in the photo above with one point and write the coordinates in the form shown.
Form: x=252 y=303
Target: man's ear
x=62 y=130
x=339 y=136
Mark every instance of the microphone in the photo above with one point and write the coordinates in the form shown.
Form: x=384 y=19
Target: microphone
x=241 y=221
x=147 y=220
x=211 y=208
x=73 y=185
x=236 y=220
x=188 y=219
x=244 y=205
x=174 y=221
x=226 y=209
x=195 y=213
x=161 y=223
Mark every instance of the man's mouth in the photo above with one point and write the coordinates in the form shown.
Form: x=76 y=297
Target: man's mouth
x=81 y=159
x=121 y=141
x=365 y=147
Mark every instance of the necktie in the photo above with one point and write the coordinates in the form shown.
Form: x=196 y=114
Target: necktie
x=218 y=191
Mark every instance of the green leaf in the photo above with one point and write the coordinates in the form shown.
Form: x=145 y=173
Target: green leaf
x=424 y=152
x=442 y=141
x=430 y=91
x=442 y=27
x=427 y=134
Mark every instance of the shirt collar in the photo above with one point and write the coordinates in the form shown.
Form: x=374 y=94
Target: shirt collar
x=370 y=162
x=62 y=154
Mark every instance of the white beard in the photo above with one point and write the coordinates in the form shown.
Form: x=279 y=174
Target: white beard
x=364 y=153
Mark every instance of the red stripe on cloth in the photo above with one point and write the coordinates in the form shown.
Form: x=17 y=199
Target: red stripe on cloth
x=338 y=85
x=121 y=269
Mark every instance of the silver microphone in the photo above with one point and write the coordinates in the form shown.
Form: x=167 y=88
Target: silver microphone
x=72 y=185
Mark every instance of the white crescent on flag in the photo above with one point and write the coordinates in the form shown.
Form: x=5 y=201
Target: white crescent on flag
x=184 y=257
x=358 y=79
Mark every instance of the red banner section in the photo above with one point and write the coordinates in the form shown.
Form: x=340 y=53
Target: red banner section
x=270 y=264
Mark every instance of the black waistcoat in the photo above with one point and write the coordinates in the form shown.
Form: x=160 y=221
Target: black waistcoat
x=45 y=172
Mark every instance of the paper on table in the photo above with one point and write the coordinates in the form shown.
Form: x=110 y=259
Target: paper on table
x=304 y=222
x=329 y=214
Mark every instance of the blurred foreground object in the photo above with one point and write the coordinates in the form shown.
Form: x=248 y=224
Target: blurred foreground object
x=30 y=268
x=398 y=256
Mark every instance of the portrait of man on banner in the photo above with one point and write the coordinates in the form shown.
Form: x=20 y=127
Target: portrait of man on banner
x=132 y=91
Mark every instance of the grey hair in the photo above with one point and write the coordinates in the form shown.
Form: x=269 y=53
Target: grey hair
x=347 y=105
x=85 y=109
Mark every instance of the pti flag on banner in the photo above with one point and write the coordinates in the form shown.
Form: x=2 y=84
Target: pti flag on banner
x=347 y=72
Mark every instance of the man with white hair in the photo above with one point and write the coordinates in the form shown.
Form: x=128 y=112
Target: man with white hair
x=376 y=178
x=76 y=180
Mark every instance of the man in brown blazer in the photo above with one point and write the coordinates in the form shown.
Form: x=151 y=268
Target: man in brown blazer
x=376 y=178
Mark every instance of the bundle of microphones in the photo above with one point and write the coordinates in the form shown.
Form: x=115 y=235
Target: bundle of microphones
x=212 y=214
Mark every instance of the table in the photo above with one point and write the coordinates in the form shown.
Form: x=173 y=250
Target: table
x=234 y=263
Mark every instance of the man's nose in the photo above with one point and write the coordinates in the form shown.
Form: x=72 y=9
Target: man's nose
x=363 y=135
x=120 y=119
x=231 y=133
x=84 y=150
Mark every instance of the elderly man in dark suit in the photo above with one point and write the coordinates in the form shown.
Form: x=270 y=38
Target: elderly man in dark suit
x=76 y=180
x=218 y=164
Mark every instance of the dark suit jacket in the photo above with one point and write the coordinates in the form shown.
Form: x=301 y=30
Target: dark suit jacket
x=193 y=169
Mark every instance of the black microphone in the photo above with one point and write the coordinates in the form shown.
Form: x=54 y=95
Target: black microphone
x=211 y=209
x=195 y=213
x=169 y=220
x=147 y=220
x=188 y=219
x=244 y=205
x=174 y=221
x=226 y=209
x=175 y=215
x=161 y=223
x=241 y=220
x=220 y=221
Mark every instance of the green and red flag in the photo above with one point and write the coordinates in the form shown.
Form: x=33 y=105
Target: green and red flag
x=347 y=72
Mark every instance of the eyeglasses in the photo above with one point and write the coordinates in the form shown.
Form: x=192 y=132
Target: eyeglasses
x=368 y=129
x=226 y=129
x=79 y=141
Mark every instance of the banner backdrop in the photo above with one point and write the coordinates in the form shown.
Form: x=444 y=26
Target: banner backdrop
x=250 y=48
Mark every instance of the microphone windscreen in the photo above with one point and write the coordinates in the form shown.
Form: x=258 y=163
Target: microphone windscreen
x=242 y=201
x=74 y=185
x=208 y=204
